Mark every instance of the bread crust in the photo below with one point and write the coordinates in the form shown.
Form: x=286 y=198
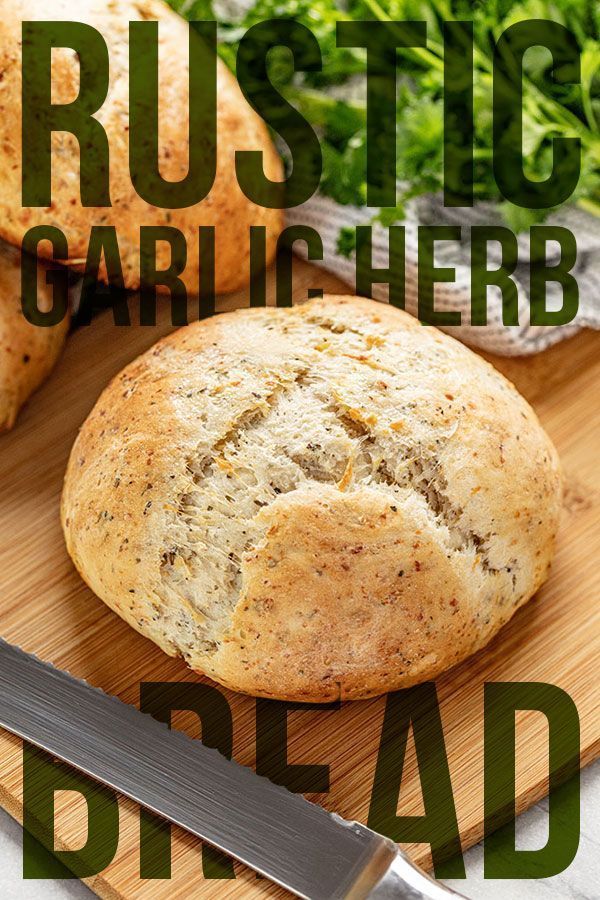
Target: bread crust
x=326 y=502
x=238 y=128
x=28 y=352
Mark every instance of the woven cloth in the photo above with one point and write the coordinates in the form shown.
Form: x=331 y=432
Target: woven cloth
x=328 y=217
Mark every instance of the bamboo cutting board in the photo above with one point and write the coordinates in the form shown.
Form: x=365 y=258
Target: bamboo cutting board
x=46 y=609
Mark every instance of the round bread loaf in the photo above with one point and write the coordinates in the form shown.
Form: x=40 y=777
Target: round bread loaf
x=27 y=352
x=238 y=128
x=329 y=501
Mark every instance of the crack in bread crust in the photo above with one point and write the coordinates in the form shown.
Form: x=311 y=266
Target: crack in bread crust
x=422 y=471
x=200 y=470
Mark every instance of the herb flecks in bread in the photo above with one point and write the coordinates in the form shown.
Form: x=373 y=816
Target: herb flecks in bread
x=311 y=503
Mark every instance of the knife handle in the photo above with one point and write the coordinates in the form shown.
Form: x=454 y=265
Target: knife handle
x=403 y=879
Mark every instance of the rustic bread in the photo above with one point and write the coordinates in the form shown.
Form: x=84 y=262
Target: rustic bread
x=238 y=128
x=311 y=503
x=27 y=352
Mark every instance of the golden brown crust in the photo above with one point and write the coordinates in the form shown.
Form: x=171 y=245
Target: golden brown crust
x=238 y=128
x=329 y=501
x=28 y=352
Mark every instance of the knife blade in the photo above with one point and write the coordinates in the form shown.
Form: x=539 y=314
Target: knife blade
x=314 y=854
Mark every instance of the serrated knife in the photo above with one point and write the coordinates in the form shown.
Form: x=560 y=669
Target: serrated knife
x=314 y=854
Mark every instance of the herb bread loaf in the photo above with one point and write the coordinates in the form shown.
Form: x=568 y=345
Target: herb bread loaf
x=329 y=501
x=238 y=128
x=27 y=352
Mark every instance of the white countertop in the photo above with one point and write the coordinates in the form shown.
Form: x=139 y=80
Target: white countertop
x=581 y=881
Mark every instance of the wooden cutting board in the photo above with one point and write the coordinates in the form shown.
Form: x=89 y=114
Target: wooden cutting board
x=46 y=609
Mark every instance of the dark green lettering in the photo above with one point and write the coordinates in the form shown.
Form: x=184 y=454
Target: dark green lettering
x=284 y=260
x=438 y=827
x=509 y=171
x=303 y=143
x=271 y=748
x=501 y=858
x=429 y=274
x=541 y=273
x=394 y=275
x=159 y=699
x=168 y=278
x=42 y=777
x=144 y=103
x=458 y=114
x=482 y=277
x=57 y=276
x=95 y=292
x=381 y=40
x=41 y=117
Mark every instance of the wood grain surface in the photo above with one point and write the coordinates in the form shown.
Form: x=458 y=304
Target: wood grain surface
x=46 y=608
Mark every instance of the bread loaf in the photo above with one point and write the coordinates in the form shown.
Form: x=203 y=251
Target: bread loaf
x=27 y=352
x=329 y=501
x=238 y=128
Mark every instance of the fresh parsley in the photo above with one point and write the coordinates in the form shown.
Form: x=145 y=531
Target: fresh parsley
x=333 y=99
